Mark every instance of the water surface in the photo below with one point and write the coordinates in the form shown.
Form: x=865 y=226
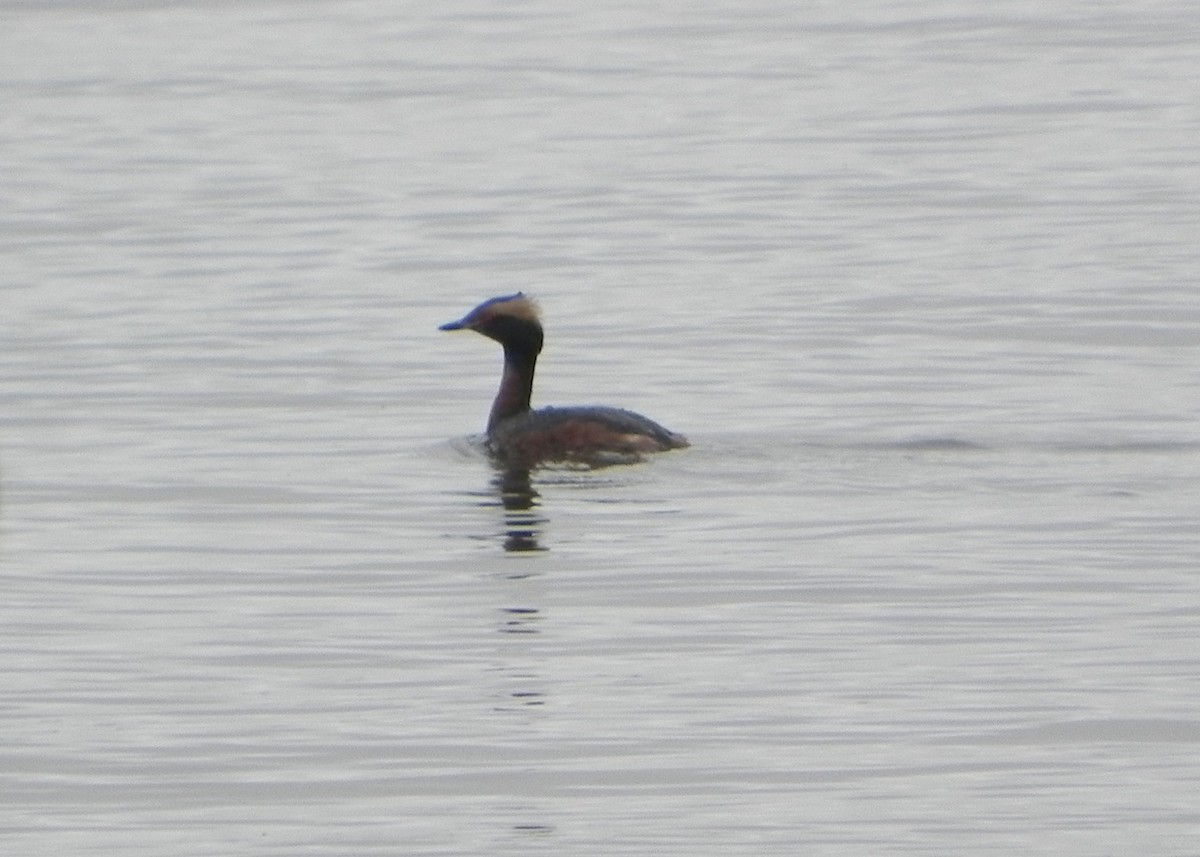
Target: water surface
x=918 y=282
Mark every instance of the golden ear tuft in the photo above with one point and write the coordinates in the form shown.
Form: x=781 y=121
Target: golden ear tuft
x=519 y=306
x=514 y=306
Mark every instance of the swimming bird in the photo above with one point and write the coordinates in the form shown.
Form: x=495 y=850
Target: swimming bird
x=519 y=436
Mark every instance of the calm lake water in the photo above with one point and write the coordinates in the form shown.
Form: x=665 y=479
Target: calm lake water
x=919 y=280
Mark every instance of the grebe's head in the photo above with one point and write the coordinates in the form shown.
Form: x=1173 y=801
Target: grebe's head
x=512 y=320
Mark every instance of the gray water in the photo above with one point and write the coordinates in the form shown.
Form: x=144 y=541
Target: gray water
x=919 y=281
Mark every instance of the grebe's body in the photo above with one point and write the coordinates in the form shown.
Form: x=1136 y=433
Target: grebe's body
x=520 y=436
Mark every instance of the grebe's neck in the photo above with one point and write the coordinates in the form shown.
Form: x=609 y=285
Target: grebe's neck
x=516 y=385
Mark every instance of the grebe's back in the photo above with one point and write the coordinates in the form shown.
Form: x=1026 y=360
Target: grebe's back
x=591 y=434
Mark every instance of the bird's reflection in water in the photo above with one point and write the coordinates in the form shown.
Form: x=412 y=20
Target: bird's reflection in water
x=522 y=522
x=522 y=528
x=520 y=620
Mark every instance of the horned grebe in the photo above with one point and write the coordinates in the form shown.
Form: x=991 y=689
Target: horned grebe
x=522 y=437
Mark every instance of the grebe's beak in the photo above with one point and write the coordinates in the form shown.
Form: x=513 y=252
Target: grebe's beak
x=461 y=324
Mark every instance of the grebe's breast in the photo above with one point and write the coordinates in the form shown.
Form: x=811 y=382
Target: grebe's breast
x=587 y=434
